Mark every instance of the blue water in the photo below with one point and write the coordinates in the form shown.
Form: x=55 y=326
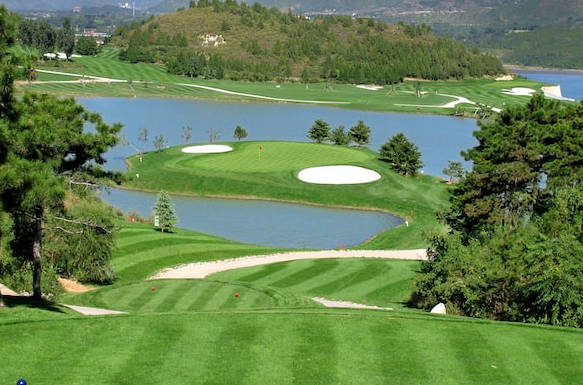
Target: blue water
x=571 y=82
x=439 y=138
x=264 y=223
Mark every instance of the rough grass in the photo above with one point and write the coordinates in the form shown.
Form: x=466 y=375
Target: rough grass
x=152 y=80
x=241 y=174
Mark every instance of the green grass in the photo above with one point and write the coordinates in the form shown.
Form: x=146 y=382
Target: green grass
x=142 y=251
x=241 y=174
x=152 y=80
x=198 y=332
x=380 y=282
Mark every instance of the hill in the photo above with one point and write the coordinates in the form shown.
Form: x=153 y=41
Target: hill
x=256 y=43
x=67 y=5
x=480 y=12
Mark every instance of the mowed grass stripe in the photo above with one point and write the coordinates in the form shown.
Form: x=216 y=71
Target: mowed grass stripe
x=315 y=357
x=314 y=270
x=173 y=333
x=232 y=355
x=400 y=355
x=353 y=274
x=175 y=294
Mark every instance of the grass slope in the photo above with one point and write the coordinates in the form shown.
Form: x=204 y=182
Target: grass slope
x=197 y=332
x=241 y=174
x=151 y=80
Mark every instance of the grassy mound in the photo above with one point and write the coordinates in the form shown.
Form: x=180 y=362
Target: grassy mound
x=242 y=174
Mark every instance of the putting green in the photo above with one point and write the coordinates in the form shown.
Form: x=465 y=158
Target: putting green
x=275 y=156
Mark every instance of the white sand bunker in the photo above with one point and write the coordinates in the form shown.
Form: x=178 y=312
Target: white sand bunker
x=207 y=149
x=338 y=175
x=370 y=87
x=519 y=91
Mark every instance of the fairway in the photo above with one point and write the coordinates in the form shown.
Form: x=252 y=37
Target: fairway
x=200 y=332
x=152 y=80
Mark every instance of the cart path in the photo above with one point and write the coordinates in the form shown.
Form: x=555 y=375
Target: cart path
x=203 y=269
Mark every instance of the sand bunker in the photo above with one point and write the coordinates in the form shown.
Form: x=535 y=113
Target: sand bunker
x=338 y=175
x=519 y=91
x=207 y=149
x=369 y=87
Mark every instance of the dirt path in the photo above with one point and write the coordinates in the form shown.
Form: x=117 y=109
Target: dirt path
x=97 y=79
x=459 y=100
x=92 y=310
x=203 y=269
x=6 y=291
x=347 y=304
x=258 y=96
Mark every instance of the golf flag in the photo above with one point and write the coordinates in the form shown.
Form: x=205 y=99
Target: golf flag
x=260 y=148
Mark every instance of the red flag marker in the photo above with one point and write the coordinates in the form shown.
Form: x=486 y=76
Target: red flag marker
x=237 y=295
x=153 y=288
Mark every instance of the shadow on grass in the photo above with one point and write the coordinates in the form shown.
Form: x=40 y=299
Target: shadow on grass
x=31 y=303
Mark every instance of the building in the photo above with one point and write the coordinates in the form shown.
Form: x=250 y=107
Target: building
x=77 y=9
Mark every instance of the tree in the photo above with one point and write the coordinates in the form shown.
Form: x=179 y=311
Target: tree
x=306 y=77
x=403 y=155
x=339 y=136
x=143 y=135
x=455 y=170
x=66 y=38
x=86 y=45
x=165 y=213
x=240 y=133
x=319 y=131
x=48 y=145
x=360 y=134
x=159 y=142
x=186 y=134
x=213 y=135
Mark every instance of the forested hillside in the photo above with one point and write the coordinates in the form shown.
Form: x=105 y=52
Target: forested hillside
x=257 y=43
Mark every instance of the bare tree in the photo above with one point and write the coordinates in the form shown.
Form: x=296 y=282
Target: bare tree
x=186 y=134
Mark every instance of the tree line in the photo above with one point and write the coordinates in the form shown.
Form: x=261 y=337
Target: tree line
x=45 y=38
x=515 y=247
x=336 y=48
x=399 y=151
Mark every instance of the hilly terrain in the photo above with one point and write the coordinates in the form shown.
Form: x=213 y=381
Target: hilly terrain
x=481 y=12
x=67 y=5
x=255 y=43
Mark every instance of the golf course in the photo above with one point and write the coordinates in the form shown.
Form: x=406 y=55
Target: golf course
x=106 y=75
x=184 y=307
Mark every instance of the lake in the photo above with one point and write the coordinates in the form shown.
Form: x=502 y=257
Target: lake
x=440 y=138
x=571 y=82
x=265 y=223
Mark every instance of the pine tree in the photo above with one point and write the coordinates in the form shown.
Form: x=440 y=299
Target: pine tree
x=165 y=212
x=360 y=134
x=402 y=154
x=319 y=131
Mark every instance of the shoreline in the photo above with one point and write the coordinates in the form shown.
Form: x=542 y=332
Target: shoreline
x=564 y=71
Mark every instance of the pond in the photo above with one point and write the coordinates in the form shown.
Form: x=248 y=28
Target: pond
x=439 y=138
x=265 y=223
